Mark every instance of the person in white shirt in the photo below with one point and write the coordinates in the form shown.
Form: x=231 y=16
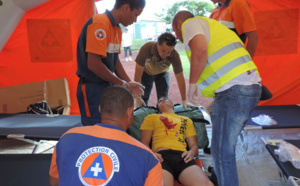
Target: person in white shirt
x=126 y=39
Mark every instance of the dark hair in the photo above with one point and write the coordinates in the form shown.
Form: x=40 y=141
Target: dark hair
x=134 y=4
x=115 y=100
x=168 y=38
x=181 y=15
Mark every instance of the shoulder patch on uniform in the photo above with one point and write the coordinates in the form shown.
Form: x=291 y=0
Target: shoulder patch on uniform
x=100 y=34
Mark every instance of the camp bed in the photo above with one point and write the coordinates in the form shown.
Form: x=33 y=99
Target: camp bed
x=289 y=175
x=286 y=116
x=36 y=128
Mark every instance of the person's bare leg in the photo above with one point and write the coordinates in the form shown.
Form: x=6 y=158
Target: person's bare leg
x=168 y=178
x=194 y=176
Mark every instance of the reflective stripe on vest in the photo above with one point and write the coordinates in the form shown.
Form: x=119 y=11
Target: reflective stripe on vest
x=227 y=58
x=225 y=50
x=224 y=70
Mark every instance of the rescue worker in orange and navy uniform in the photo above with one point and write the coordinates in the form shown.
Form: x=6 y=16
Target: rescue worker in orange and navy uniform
x=98 y=64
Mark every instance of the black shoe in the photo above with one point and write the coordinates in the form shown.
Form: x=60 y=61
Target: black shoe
x=206 y=150
x=213 y=177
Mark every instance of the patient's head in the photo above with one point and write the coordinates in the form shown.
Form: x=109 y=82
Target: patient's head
x=165 y=105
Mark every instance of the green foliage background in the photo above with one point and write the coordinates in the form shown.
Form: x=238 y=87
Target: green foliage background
x=198 y=8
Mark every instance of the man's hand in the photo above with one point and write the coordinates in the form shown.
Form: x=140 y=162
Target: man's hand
x=187 y=156
x=186 y=104
x=135 y=88
x=159 y=157
x=193 y=93
x=139 y=102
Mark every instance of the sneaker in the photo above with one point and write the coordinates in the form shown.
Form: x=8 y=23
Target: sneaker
x=126 y=59
x=130 y=59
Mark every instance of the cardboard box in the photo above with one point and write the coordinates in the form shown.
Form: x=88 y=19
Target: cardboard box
x=16 y=99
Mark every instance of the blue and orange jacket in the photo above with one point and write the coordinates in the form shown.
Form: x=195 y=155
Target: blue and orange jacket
x=103 y=155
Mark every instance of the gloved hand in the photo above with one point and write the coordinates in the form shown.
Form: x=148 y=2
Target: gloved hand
x=186 y=104
x=135 y=88
x=193 y=93
x=139 y=102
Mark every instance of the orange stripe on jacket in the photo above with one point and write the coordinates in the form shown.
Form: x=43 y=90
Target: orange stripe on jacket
x=110 y=134
x=87 y=109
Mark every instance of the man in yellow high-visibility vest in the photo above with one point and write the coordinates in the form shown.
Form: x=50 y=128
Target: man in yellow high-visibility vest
x=222 y=68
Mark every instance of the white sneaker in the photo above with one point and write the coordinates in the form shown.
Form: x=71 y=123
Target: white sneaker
x=126 y=59
x=130 y=59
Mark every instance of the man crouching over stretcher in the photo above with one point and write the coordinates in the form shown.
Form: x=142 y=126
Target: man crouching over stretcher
x=169 y=133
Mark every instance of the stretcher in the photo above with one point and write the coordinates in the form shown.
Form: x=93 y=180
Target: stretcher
x=36 y=128
x=286 y=116
x=289 y=175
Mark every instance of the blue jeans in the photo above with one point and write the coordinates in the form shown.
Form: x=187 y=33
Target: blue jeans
x=229 y=115
x=161 y=84
x=129 y=49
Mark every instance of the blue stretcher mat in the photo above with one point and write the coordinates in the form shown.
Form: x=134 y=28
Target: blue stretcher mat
x=286 y=116
x=37 y=126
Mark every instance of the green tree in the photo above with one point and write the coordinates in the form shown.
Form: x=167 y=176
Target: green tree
x=198 y=8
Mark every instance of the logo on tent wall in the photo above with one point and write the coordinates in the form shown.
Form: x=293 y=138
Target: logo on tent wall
x=277 y=31
x=96 y=166
x=100 y=34
x=50 y=40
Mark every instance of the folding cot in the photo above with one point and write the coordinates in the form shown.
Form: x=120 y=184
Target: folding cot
x=31 y=169
x=289 y=175
x=36 y=128
x=286 y=116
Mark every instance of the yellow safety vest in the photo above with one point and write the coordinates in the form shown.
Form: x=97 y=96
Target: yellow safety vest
x=227 y=58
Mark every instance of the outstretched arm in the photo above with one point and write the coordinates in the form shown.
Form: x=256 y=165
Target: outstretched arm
x=138 y=73
x=252 y=42
x=181 y=85
x=192 y=143
x=53 y=181
x=96 y=65
x=146 y=137
x=199 y=55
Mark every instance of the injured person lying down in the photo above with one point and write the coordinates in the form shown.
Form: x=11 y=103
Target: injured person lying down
x=170 y=134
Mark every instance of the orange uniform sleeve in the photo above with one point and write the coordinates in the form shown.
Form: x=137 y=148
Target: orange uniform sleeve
x=53 y=168
x=242 y=17
x=97 y=39
x=155 y=176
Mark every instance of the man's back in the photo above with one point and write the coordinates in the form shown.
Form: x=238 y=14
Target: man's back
x=104 y=154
